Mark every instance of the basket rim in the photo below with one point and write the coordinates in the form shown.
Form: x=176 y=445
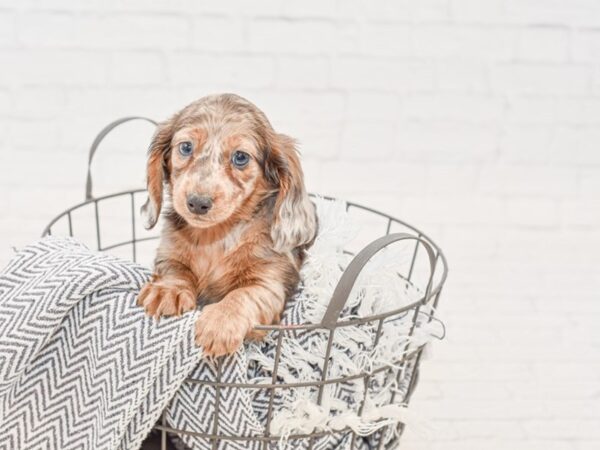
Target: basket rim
x=433 y=292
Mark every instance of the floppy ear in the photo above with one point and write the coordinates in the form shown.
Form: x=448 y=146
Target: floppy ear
x=157 y=171
x=294 y=217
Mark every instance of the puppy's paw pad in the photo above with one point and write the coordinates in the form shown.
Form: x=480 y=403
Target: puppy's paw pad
x=166 y=299
x=219 y=331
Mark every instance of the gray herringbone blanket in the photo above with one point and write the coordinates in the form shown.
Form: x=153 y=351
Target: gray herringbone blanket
x=82 y=367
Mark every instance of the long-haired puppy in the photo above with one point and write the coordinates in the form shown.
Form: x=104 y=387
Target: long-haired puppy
x=237 y=220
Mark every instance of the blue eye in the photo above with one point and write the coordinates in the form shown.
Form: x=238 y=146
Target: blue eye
x=240 y=159
x=186 y=148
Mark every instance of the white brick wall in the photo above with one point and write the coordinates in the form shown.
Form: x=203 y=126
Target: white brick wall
x=477 y=120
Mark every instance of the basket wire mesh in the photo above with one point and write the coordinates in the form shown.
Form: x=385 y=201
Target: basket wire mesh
x=127 y=239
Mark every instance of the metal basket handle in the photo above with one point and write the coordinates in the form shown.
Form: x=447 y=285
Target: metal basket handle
x=99 y=138
x=346 y=283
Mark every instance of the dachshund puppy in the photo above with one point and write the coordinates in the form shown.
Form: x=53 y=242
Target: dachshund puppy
x=237 y=220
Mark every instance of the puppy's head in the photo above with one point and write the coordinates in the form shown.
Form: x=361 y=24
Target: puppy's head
x=220 y=161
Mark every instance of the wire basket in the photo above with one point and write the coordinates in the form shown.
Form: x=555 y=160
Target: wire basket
x=109 y=223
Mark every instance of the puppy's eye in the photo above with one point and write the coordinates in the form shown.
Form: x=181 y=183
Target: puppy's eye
x=240 y=159
x=186 y=148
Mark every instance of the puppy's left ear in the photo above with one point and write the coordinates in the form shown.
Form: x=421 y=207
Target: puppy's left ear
x=157 y=172
x=294 y=221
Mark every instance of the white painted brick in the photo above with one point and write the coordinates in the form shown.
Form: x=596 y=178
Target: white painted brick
x=225 y=7
x=585 y=45
x=448 y=41
x=470 y=241
x=453 y=107
x=542 y=79
x=361 y=177
x=258 y=8
x=577 y=145
x=543 y=44
x=596 y=81
x=585 y=444
x=136 y=68
x=541 y=12
x=76 y=135
x=304 y=37
x=49 y=169
x=303 y=72
x=3 y=137
x=401 y=11
x=201 y=69
x=62 y=5
x=315 y=140
x=589 y=182
x=387 y=40
x=347 y=38
x=149 y=32
x=372 y=106
x=8 y=32
x=310 y=9
x=452 y=178
x=478 y=409
x=156 y=6
x=446 y=141
x=53 y=67
x=488 y=429
x=556 y=110
x=382 y=75
x=21 y=199
x=312 y=173
x=476 y=11
x=576 y=110
x=529 y=180
x=581 y=212
x=6 y=105
x=100 y=105
x=527 y=144
x=38 y=103
x=216 y=34
x=520 y=244
x=562 y=429
x=533 y=110
x=302 y=107
x=45 y=29
x=532 y=212
x=367 y=141
x=452 y=209
x=505 y=443
x=464 y=75
x=50 y=29
x=30 y=135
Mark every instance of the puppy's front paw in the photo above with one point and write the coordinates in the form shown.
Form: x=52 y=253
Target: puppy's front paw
x=221 y=329
x=164 y=298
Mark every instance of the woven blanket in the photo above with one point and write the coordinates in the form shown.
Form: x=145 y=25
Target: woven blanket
x=82 y=367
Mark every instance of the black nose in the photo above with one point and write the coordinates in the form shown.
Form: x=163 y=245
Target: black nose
x=198 y=204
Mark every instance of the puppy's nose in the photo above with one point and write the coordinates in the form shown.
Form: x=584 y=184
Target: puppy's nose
x=199 y=204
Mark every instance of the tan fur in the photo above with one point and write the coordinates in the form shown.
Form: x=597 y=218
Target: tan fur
x=241 y=258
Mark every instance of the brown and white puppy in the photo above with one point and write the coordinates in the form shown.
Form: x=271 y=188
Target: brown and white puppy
x=237 y=220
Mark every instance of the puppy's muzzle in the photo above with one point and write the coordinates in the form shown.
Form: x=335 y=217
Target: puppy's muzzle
x=198 y=204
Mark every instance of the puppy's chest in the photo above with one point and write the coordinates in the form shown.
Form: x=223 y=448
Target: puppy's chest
x=211 y=264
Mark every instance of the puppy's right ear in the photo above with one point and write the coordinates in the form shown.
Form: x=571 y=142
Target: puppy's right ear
x=157 y=172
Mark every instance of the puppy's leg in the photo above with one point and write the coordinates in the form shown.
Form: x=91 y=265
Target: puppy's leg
x=170 y=292
x=222 y=326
